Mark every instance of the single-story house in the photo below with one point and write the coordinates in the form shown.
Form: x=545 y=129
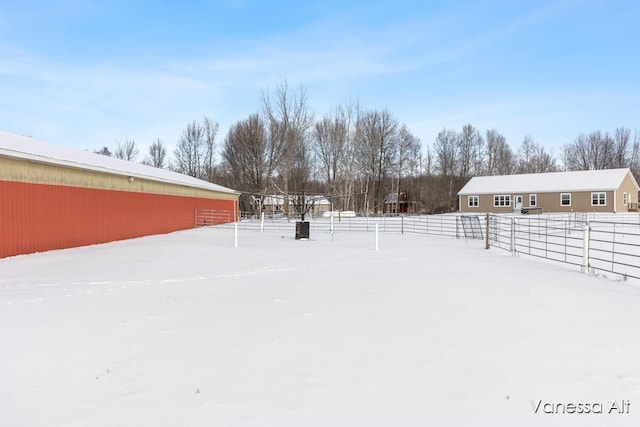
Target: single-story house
x=608 y=190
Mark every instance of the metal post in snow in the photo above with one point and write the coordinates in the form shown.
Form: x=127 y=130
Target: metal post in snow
x=513 y=236
x=331 y=228
x=585 y=248
x=565 y=240
x=487 y=245
x=235 y=241
x=262 y=222
x=546 y=237
x=613 y=248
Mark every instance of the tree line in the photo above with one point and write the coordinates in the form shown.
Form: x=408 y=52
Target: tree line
x=362 y=157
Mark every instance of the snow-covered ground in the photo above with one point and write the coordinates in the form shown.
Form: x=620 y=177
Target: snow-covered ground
x=186 y=330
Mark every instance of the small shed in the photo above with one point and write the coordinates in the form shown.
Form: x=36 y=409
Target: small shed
x=396 y=203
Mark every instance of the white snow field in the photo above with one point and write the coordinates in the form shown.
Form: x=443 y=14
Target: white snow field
x=186 y=330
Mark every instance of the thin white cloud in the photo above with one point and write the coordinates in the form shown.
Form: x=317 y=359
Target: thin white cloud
x=99 y=103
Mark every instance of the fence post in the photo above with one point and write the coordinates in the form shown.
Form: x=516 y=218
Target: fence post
x=613 y=248
x=331 y=227
x=262 y=222
x=457 y=227
x=401 y=225
x=513 y=236
x=376 y=237
x=487 y=245
x=586 y=236
x=235 y=237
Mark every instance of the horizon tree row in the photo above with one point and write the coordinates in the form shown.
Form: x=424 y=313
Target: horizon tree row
x=362 y=157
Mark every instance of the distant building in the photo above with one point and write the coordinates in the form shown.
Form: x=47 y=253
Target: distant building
x=274 y=204
x=397 y=205
x=54 y=197
x=609 y=190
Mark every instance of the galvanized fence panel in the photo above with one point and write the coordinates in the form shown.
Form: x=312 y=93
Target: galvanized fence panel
x=556 y=240
x=573 y=239
x=615 y=247
x=500 y=232
x=206 y=217
x=440 y=225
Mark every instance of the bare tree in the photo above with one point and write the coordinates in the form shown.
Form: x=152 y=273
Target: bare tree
x=190 y=151
x=301 y=163
x=329 y=137
x=446 y=149
x=470 y=152
x=126 y=150
x=247 y=155
x=589 y=151
x=533 y=158
x=598 y=150
x=500 y=159
x=210 y=132
x=427 y=163
x=634 y=156
x=622 y=148
x=289 y=119
x=408 y=158
x=333 y=141
x=157 y=155
x=377 y=151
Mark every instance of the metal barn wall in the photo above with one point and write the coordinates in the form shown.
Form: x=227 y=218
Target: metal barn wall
x=39 y=217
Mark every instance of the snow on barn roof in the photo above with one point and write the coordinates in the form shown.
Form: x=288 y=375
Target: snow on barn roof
x=22 y=147
x=592 y=180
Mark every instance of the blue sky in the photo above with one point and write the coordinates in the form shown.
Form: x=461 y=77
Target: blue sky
x=89 y=73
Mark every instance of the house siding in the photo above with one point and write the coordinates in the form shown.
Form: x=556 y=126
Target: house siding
x=626 y=187
x=547 y=202
x=549 y=195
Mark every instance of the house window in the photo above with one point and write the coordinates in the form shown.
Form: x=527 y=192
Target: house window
x=624 y=199
x=474 y=201
x=533 y=200
x=599 y=199
x=499 y=201
x=565 y=199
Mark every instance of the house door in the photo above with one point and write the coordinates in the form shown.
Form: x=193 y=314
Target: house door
x=517 y=202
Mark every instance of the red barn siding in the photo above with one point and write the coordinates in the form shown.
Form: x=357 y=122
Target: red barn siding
x=40 y=217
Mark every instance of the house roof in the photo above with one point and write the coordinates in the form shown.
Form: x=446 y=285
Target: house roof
x=22 y=147
x=592 y=180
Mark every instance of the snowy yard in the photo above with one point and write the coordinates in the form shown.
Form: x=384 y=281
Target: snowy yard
x=186 y=330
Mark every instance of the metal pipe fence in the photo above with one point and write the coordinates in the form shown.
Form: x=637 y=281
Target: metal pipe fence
x=575 y=239
x=441 y=225
x=604 y=246
x=615 y=247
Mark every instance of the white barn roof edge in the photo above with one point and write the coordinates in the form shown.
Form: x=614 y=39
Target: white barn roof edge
x=27 y=148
